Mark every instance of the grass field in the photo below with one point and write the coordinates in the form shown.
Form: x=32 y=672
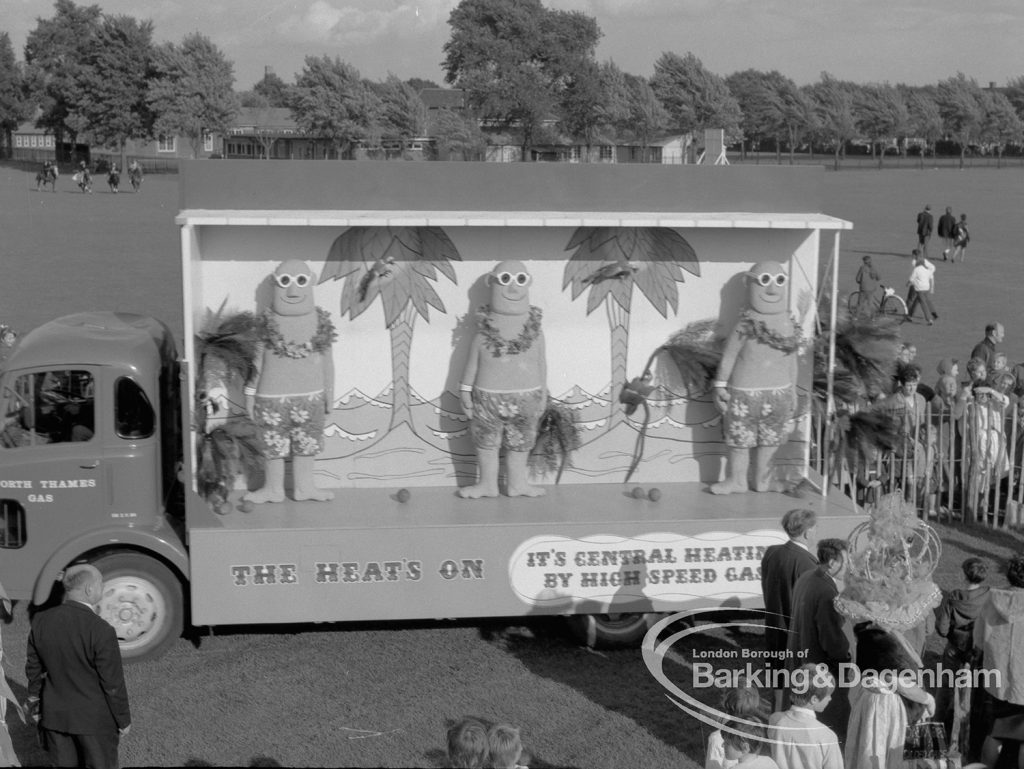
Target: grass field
x=369 y=696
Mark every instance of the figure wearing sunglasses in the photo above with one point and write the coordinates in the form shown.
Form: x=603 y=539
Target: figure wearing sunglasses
x=504 y=385
x=294 y=386
x=755 y=388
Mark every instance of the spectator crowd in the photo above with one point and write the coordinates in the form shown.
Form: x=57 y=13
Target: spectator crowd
x=850 y=620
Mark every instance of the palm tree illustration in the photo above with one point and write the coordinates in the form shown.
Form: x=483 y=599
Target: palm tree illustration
x=609 y=262
x=399 y=265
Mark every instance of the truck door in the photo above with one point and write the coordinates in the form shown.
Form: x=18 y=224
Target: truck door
x=131 y=451
x=51 y=467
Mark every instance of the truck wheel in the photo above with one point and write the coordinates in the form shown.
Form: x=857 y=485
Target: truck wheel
x=611 y=631
x=142 y=602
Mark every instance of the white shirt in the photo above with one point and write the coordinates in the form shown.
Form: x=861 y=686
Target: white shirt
x=922 y=275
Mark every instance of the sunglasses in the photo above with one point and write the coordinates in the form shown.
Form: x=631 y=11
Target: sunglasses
x=508 y=278
x=284 y=280
x=766 y=278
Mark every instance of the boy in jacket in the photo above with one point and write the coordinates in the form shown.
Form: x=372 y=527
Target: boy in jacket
x=954 y=621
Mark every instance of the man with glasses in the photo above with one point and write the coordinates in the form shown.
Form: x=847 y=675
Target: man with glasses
x=755 y=388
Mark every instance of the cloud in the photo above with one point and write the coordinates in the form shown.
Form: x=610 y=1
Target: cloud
x=325 y=22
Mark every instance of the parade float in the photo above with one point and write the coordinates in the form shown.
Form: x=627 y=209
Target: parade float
x=433 y=390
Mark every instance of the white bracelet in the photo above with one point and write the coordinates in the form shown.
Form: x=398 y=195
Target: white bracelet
x=248 y=390
x=719 y=383
x=466 y=388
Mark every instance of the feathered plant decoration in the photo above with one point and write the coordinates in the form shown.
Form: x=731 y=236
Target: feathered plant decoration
x=866 y=350
x=226 y=451
x=232 y=341
x=226 y=351
x=696 y=353
x=865 y=360
x=558 y=436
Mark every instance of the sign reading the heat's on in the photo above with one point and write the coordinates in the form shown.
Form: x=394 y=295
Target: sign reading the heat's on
x=546 y=571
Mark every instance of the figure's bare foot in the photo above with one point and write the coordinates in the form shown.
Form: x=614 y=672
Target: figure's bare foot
x=313 y=495
x=526 y=490
x=770 y=484
x=478 y=491
x=261 y=496
x=728 y=486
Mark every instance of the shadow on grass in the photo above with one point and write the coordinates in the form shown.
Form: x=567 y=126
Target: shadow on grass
x=619 y=680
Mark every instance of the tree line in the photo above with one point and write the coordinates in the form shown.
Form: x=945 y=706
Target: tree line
x=529 y=76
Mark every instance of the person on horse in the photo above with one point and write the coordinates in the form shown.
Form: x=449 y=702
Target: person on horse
x=47 y=175
x=114 y=178
x=135 y=174
x=84 y=177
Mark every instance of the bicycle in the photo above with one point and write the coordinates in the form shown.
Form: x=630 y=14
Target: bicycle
x=889 y=303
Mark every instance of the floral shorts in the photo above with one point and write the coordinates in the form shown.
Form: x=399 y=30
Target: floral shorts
x=291 y=424
x=506 y=419
x=758 y=417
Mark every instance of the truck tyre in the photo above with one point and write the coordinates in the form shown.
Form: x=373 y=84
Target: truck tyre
x=142 y=602
x=611 y=631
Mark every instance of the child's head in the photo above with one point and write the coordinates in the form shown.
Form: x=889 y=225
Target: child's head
x=744 y=739
x=976 y=369
x=975 y=570
x=467 y=744
x=505 y=746
x=811 y=686
x=742 y=700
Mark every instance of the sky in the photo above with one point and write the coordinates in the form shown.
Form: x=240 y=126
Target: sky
x=895 y=41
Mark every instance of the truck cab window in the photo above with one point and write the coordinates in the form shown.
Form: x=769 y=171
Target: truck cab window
x=133 y=413
x=12 y=524
x=48 y=407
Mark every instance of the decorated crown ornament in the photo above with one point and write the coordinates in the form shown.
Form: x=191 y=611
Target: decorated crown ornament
x=892 y=558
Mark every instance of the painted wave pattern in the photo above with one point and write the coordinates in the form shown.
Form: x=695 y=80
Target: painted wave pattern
x=364 y=446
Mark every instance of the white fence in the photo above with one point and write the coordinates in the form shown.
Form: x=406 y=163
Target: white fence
x=959 y=463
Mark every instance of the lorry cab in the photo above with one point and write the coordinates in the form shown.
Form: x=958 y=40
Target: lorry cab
x=87 y=445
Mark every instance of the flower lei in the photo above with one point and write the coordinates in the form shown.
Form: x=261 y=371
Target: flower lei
x=756 y=328
x=319 y=342
x=497 y=344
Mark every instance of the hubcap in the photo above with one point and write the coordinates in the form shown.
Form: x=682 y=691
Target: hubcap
x=135 y=608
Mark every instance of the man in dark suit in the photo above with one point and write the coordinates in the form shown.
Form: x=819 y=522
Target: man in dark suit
x=816 y=632
x=76 y=685
x=780 y=567
x=925 y=224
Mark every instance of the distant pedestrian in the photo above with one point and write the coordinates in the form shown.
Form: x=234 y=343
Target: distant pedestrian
x=947 y=231
x=961 y=238
x=922 y=282
x=76 y=688
x=868 y=281
x=925 y=223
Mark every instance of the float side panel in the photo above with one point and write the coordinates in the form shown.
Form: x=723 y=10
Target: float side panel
x=350 y=186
